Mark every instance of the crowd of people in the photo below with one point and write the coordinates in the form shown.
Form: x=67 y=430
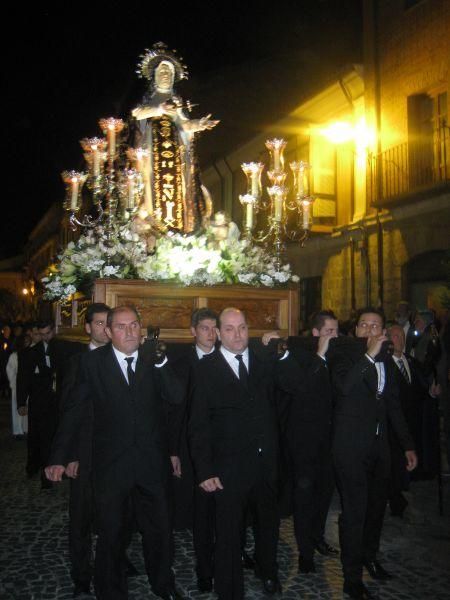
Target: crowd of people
x=226 y=424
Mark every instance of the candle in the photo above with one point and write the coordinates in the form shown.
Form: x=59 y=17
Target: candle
x=249 y=215
x=255 y=183
x=306 y=206
x=74 y=197
x=95 y=161
x=278 y=207
x=111 y=141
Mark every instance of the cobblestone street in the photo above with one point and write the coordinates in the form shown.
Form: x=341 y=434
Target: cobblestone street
x=34 y=559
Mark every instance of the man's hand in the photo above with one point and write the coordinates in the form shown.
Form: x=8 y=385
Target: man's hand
x=435 y=390
x=411 y=460
x=72 y=469
x=270 y=335
x=324 y=342
x=211 y=485
x=176 y=465
x=54 y=472
x=374 y=345
x=23 y=411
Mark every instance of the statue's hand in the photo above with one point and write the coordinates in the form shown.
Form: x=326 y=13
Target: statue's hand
x=194 y=125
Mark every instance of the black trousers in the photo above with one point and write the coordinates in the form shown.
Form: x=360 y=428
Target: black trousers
x=42 y=423
x=152 y=507
x=313 y=489
x=362 y=480
x=251 y=489
x=203 y=532
x=81 y=517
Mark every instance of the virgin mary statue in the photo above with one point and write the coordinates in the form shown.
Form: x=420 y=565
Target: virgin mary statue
x=166 y=133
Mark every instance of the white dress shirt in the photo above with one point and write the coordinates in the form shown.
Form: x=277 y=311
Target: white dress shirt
x=123 y=363
x=201 y=353
x=231 y=359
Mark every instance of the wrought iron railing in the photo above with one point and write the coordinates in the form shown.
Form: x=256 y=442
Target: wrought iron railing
x=409 y=168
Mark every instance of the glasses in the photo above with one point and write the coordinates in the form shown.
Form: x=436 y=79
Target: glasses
x=371 y=326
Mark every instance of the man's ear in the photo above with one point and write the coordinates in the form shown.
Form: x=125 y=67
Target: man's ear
x=315 y=332
x=108 y=332
x=218 y=334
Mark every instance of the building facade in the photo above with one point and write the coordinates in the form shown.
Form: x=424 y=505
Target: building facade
x=379 y=145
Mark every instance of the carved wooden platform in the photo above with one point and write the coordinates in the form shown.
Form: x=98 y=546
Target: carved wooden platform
x=169 y=306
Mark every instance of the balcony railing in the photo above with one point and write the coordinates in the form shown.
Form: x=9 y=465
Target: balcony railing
x=408 y=169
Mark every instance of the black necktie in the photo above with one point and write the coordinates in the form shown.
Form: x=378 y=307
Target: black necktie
x=243 y=373
x=131 y=374
x=403 y=371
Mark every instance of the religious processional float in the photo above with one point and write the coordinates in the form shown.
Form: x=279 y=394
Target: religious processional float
x=154 y=219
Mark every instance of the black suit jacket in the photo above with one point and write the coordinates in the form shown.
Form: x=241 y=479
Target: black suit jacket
x=129 y=432
x=37 y=381
x=358 y=410
x=305 y=377
x=227 y=422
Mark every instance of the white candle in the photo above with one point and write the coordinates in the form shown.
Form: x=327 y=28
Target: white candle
x=74 y=198
x=255 y=187
x=95 y=161
x=249 y=215
x=111 y=142
x=305 y=215
x=278 y=207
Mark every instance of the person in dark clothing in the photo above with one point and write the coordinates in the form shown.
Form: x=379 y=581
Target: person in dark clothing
x=233 y=438
x=39 y=377
x=122 y=389
x=305 y=376
x=366 y=397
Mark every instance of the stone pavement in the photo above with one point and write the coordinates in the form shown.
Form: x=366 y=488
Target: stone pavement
x=34 y=563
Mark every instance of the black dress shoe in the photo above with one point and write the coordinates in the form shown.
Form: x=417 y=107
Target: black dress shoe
x=247 y=561
x=357 y=590
x=172 y=594
x=80 y=589
x=376 y=571
x=272 y=586
x=326 y=550
x=205 y=584
x=306 y=565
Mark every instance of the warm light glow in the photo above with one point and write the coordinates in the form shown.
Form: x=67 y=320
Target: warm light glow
x=341 y=132
x=338 y=132
x=24 y=291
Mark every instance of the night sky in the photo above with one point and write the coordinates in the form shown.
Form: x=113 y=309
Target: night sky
x=67 y=68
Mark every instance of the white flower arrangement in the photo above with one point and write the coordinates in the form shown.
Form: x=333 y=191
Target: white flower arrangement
x=197 y=259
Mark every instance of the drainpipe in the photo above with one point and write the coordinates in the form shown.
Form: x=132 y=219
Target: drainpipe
x=380 y=251
x=352 y=274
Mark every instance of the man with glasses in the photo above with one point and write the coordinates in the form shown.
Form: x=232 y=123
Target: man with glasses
x=366 y=398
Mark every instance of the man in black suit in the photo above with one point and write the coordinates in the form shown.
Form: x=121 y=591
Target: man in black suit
x=81 y=509
x=203 y=328
x=415 y=395
x=366 y=397
x=304 y=375
x=126 y=398
x=234 y=445
x=39 y=376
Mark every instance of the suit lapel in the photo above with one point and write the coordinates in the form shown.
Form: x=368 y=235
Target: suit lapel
x=113 y=371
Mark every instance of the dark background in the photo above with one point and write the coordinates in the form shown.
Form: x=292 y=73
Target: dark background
x=67 y=66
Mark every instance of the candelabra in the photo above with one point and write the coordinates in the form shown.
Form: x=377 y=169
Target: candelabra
x=279 y=202
x=114 y=179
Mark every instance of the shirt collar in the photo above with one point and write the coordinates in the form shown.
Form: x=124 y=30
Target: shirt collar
x=121 y=356
x=201 y=353
x=230 y=355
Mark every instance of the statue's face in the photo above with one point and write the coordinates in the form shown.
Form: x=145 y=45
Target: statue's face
x=164 y=76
